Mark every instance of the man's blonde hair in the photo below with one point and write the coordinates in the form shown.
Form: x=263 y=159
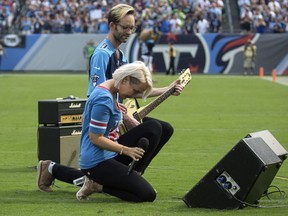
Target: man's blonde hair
x=118 y=12
x=138 y=73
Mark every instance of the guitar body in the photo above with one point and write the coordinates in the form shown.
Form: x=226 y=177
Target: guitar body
x=132 y=106
x=133 y=109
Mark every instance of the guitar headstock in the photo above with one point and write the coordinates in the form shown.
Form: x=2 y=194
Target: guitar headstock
x=185 y=77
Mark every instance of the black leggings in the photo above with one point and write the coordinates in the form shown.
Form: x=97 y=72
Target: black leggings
x=112 y=174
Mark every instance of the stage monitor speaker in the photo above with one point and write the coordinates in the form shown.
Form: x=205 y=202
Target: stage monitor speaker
x=271 y=141
x=60 y=144
x=239 y=179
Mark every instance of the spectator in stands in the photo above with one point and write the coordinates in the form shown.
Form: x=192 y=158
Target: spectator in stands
x=178 y=29
x=220 y=5
x=103 y=26
x=77 y=25
x=256 y=15
x=47 y=25
x=279 y=26
x=274 y=5
x=286 y=22
x=92 y=26
x=202 y=25
x=242 y=4
x=187 y=7
x=3 y=20
x=246 y=20
x=271 y=21
x=214 y=11
x=215 y=24
x=147 y=22
x=147 y=10
x=175 y=22
x=57 y=23
x=37 y=25
x=68 y=24
x=165 y=9
x=26 y=25
x=260 y=26
x=189 y=26
x=164 y=25
x=202 y=5
x=180 y=15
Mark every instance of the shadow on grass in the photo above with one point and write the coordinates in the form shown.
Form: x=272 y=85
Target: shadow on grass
x=38 y=197
x=27 y=169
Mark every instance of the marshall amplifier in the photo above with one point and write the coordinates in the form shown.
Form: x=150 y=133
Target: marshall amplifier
x=60 y=144
x=61 y=112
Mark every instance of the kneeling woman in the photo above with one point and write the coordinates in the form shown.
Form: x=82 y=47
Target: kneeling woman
x=102 y=155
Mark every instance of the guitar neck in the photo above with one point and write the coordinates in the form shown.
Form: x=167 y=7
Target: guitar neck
x=140 y=114
x=183 y=80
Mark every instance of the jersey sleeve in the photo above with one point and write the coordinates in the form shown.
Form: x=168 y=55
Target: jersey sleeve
x=98 y=67
x=100 y=115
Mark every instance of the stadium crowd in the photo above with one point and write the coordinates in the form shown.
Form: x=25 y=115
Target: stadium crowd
x=263 y=16
x=179 y=17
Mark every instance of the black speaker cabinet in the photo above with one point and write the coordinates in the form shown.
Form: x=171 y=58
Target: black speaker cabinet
x=60 y=144
x=239 y=179
x=271 y=141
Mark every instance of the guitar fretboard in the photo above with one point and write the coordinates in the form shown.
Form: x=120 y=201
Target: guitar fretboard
x=147 y=109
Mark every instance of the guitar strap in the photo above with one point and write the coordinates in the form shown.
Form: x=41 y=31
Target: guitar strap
x=137 y=104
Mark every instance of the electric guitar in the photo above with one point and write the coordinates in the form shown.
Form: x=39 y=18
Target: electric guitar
x=138 y=113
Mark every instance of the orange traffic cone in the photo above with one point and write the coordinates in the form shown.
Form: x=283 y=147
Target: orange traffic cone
x=274 y=74
x=261 y=72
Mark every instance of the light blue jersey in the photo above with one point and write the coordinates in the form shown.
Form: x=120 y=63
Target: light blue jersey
x=103 y=63
x=101 y=116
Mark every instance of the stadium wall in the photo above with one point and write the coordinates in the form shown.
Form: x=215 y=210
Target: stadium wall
x=208 y=53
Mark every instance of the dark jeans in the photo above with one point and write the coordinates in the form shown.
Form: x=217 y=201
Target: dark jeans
x=171 y=66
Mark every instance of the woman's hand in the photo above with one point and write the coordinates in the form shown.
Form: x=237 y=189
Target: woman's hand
x=135 y=153
x=123 y=108
x=178 y=88
x=129 y=122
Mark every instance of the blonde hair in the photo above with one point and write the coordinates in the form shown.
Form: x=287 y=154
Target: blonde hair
x=138 y=73
x=118 y=12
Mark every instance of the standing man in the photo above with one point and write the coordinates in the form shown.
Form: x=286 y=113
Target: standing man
x=202 y=25
x=88 y=50
x=107 y=57
x=249 y=57
x=2 y=53
x=147 y=40
x=172 y=56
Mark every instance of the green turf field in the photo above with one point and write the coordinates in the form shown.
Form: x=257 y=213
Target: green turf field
x=212 y=114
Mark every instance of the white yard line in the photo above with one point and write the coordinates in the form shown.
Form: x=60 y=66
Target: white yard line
x=283 y=80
